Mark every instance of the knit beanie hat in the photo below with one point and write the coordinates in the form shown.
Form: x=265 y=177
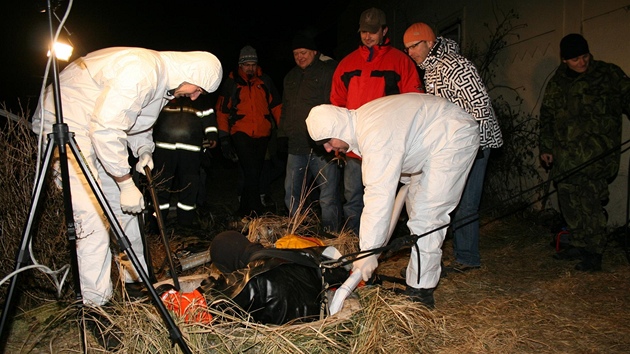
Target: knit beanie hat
x=303 y=41
x=573 y=45
x=248 y=53
x=418 y=32
x=372 y=20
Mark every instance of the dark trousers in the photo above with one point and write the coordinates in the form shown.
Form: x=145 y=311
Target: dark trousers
x=178 y=171
x=251 y=158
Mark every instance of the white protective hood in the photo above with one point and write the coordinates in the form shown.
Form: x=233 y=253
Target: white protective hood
x=328 y=121
x=198 y=68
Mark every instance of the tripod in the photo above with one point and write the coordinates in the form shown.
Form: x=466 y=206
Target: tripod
x=61 y=138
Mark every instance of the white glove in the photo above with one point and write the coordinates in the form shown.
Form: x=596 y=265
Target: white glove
x=366 y=266
x=145 y=159
x=131 y=200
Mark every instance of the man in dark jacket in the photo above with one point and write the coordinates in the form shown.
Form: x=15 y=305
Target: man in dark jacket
x=580 y=136
x=179 y=135
x=306 y=86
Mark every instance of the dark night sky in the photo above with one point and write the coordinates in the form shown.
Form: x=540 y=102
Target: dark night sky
x=220 y=27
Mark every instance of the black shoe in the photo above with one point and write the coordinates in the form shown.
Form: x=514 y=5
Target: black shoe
x=591 y=262
x=136 y=291
x=423 y=296
x=456 y=267
x=266 y=201
x=569 y=254
x=108 y=335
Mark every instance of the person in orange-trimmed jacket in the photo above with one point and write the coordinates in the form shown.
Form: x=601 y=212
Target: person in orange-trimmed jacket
x=248 y=108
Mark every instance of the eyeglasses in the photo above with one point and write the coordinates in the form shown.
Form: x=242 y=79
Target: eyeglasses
x=412 y=46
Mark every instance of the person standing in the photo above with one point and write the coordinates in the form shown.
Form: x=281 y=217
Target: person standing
x=248 y=108
x=111 y=99
x=430 y=148
x=580 y=138
x=450 y=75
x=180 y=134
x=373 y=70
x=306 y=86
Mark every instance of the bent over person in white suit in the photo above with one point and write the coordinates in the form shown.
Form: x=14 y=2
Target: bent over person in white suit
x=110 y=100
x=429 y=140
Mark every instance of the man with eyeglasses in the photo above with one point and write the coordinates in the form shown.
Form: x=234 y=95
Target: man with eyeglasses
x=448 y=74
x=373 y=70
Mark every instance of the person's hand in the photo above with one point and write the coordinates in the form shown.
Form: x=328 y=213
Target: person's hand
x=145 y=159
x=209 y=144
x=366 y=266
x=131 y=200
x=228 y=150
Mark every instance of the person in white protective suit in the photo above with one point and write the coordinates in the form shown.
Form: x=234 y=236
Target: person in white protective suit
x=421 y=140
x=110 y=100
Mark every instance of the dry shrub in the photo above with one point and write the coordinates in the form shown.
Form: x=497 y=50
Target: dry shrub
x=269 y=228
x=18 y=148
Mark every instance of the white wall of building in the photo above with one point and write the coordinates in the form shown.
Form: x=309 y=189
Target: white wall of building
x=532 y=57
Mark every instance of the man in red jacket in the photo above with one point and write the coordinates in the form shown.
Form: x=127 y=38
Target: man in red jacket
x=373 y=70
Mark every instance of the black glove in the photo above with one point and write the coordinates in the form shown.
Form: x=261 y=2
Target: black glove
x=228 y=150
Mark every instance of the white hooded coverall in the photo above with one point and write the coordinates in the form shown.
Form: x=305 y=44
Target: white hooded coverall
x=110 y=100
x=429 y=140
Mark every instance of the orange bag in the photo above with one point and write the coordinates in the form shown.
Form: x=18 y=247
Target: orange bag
x=190 y=305
x=295 y=241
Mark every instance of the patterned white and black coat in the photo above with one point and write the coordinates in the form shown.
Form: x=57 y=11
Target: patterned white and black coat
x=448 y=74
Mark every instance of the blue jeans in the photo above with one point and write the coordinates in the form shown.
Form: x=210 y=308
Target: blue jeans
x=325 y=176
x=353 y=193
x=466 y=216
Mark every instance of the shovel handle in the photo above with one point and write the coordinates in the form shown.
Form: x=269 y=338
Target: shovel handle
x=160 y=221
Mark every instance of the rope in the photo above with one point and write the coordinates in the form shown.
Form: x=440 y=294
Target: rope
x=400 y=243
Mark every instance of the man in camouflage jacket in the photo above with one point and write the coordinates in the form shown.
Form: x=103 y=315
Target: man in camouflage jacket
x=580 y=136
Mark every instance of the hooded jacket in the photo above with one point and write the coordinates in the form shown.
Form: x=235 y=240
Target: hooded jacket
x=369 y=73
x=448 y=74
x=114 y=96
x=424 y=124
x=248 y=105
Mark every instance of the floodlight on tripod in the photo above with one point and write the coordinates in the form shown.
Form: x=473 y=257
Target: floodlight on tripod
x=63 y=142
x=62 y=50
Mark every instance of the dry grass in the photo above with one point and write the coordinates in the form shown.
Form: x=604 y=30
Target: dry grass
x=520 y=301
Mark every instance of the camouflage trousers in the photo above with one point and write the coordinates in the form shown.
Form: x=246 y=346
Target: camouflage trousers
x=581 y=205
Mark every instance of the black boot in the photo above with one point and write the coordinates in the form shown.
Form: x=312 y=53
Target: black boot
x=591 y=262
x=569 y=254
x=423 y=296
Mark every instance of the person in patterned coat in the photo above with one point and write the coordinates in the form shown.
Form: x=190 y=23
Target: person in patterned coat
x=580 y=137
x=450 y=75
